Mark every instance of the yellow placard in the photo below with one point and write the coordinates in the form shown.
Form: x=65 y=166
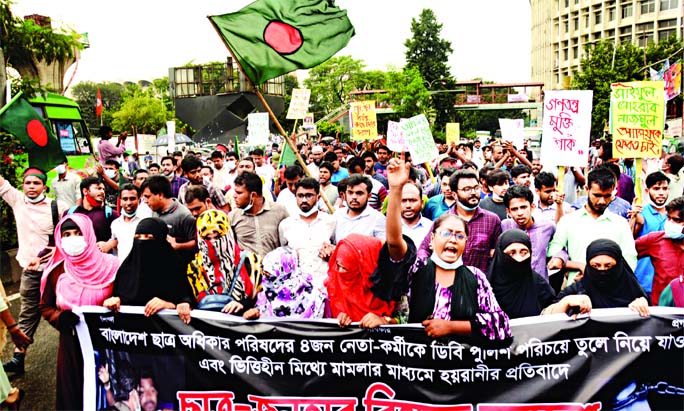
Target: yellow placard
x=364 y=122
x=453 y=133
x=637 y=119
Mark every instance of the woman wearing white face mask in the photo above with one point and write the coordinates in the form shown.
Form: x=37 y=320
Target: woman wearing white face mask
x=77 y=274
x=444 y=295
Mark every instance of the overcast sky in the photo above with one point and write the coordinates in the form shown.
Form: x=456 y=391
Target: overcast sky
x=133 y=40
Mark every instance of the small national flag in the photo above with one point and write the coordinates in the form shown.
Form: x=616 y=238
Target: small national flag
x=288 y=158
x=98 y=104
x=274 y=37
x=20 y=119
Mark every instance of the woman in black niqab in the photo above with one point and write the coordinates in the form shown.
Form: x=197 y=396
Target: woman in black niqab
x=152 y=274
x=520 y=291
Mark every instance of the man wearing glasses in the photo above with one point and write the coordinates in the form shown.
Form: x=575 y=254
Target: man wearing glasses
x=484 y=227
x=310 y=232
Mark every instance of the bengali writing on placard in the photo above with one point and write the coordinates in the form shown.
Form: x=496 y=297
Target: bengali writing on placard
x=566 y=127
x=364 y=121
x=637 y=113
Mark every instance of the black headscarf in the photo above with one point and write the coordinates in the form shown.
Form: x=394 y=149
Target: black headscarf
x=616 y=287
x=152 y=269
x=516 y=286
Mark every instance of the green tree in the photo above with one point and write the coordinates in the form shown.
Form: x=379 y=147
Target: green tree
x=26 y=44
x=325 y=128
x=603 y=64
x=141 y=113
x=331 y=82
x=429 y=53
x=85 y=94
x=406 y=92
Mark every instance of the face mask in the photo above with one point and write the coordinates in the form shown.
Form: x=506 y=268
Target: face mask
x=92 y=201
x=443 y=264
x=168 y=174
x=74 y=245
x=654 y=205
x=614 y=193
x=110 y=173
x=36 y=200
x=61 y=169
x=467 y=208
x=309 y=213
x=230 y=165
x=125 y=214
x=206 y=180
x=497 y=197
x=248 y=206
x=673 y=230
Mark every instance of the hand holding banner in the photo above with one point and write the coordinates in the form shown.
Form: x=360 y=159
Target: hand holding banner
x=299 y=103
x=513 y=130
x=453 y=133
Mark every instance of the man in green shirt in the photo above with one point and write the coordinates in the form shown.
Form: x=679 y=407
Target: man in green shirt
x=593 y=221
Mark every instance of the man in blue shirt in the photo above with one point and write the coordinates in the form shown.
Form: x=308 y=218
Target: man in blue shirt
x=440 y=204
x=340 y=172
x=650 y=218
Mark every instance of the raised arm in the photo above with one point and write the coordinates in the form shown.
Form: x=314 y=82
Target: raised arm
x=397 y=176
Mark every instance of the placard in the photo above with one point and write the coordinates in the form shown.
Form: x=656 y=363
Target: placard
x=419 y=139
x=363 y=120
x=453 y=133
x=257 y=128
x=395 y=137
x=299 y=104
x=513 y=130
x=566 y=127
x=637 y=119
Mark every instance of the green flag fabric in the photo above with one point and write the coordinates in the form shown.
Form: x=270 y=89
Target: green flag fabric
x=21 y=120
x=274 y=37
x=288 y=158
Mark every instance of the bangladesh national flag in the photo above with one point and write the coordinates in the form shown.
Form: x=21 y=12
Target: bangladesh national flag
x=21 y=120
x=274 y=37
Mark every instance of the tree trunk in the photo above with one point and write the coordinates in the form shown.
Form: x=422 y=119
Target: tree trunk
x=3 y=78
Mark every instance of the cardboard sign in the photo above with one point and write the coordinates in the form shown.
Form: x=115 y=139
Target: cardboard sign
x=566 y=127
x=257 y=128
x=513 y=130
x=395 y=137
x=453 y=133
x=299 y=104
x=637 y=119
x=419 y=139
x=364 y=123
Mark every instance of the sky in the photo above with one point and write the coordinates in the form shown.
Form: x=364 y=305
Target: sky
x=141 y=39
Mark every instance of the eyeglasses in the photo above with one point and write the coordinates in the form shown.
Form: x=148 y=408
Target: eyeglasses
x=473 y=189
x=447 y=234
x=308 y=196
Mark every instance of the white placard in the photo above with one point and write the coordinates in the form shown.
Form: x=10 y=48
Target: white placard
x=257 y=128
x=513 y=130
x=171 y=133
x=299 y=103
x=419 y=139
x=395 y=137
x=566 y=128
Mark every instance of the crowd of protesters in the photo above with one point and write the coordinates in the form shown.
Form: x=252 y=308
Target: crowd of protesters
x=361 y=234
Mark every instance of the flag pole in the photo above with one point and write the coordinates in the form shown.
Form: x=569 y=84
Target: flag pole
x=9 y=103
x=261 y=98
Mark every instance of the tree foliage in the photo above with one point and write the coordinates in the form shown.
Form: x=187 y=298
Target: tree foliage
x=331 y=82
x=603 y=64
x=429 y=53
x=142 y=113
x=406 y=92
x=85 y=94
x=25 y=44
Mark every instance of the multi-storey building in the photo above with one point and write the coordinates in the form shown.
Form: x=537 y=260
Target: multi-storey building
x=561 y=29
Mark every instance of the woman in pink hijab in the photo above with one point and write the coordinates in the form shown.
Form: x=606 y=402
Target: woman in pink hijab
x=78 y=274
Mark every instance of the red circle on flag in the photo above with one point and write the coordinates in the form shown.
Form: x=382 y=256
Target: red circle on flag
x=37 y=132
x=282 y=37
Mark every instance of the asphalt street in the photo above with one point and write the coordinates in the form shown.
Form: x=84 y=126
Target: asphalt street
x=39 y=379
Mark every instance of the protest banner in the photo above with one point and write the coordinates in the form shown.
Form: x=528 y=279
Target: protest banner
x=363 y=120
x=395 y=137
x=299 y=104
x=637 y=119
x=513 y=130
x=673 y=80
x=566 y=127
x=419 y=139
x=222 y=362
x=453 y=133
x=257 y=128
x=308 y=121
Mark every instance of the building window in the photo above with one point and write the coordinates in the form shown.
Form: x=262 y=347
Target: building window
x=668 y=4
x=647 y=6
x=576 y=21
x=565 y=54
x=627 y=10
x=666 y=34
x=575 y=52
x=566 y=26
x=644 y=27
x=567 y=3
x=586 y=21
x=645 y=40
x=611 y=14
x=597 y=17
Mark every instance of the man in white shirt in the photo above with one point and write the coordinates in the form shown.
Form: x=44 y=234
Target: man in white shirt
x=123 y=228
x=221 y=172
x=66 y=186
x=263 y=170
x=358 y=217
x=413 y=224
x=310 y=231
x=286 y=197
